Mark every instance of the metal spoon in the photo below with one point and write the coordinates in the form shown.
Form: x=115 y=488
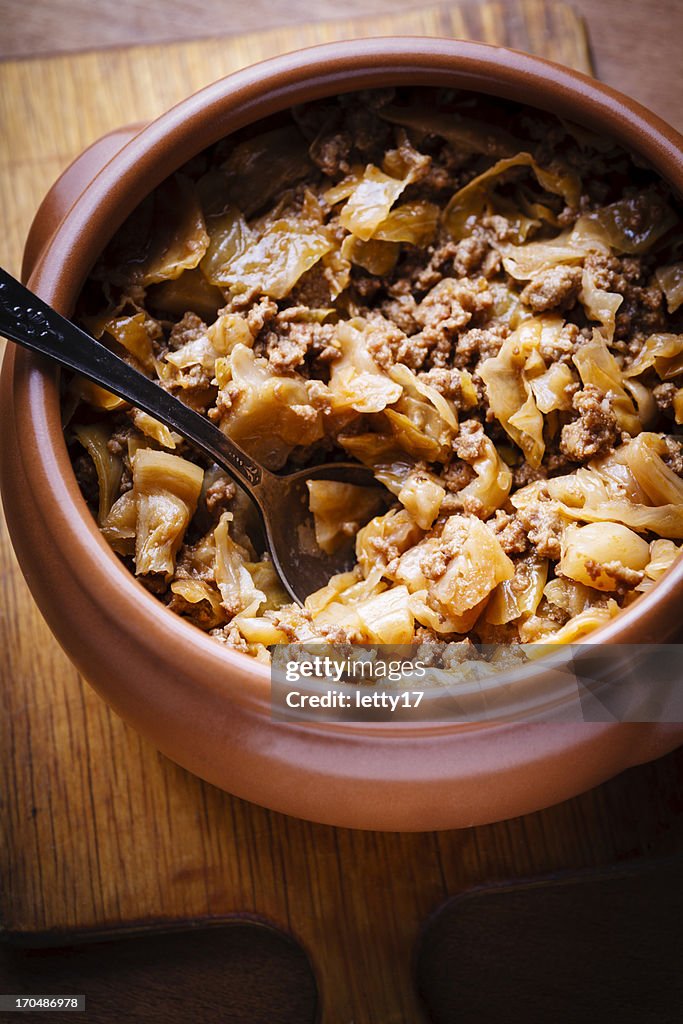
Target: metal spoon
x=282 y=500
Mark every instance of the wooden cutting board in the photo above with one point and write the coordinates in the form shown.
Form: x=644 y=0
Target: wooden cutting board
x=99 y=831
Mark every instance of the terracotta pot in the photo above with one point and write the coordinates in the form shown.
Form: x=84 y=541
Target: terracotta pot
x=203 y=705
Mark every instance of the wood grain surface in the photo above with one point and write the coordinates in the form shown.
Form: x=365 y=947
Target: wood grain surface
x=98 y=829
x=635 y=44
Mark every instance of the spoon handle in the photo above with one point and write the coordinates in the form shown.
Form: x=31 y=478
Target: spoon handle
x=30 y=322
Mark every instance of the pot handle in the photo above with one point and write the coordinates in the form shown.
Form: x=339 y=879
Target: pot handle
x=66 y=191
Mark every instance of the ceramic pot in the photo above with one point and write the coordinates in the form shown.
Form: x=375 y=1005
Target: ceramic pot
x=208 y=707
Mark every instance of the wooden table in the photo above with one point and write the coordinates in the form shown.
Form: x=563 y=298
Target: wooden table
x=99 y=830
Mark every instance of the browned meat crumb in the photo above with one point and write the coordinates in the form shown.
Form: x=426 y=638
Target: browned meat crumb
x=388 y=344
x=469 y=443
x=331 y=152
x=118 y=442
x=643 y=310
x=401 y=311
x=479 y=343
x=231 y=637
x=434 y=564
x=154 y=583
x=555 y=288
x=312 y=289
x=664 y=395
x=544 y=527
x=621 y=574
x=188 y=329
x=456 y=475
x=560 y=347
x=449 y=306
x=674 y=455
x=193 y=387
x=525 y=474
x=422 y=270
x=511 y=535
x=595 y=431
x=260 y=314
x=219 y=494
x=448 y=383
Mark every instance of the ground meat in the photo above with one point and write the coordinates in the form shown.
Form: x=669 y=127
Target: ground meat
x=434 y=564
x=419 y=271
x=448 y=308
x=621 y=574
x=118 y=442
x=199 y=612
x=290 y=342
x=554 y=288
x=560 y=347
x=544 y=527
x=643 y=310
x=525 y=474
x=155 y=583
x=312 y=289
x=437 y=179
x=406 y=159
x=193 y=387
x=510 y=533
x=231 y=637
x=470 y=254
x=456 y=475
x=469 y=443
x=401 y=311
x=388 y=344
x=664 y=395
x=219 y=495
x=449 y=383
x=478 y=344
x=331 y=151
x=188 y=329
x=595 y=431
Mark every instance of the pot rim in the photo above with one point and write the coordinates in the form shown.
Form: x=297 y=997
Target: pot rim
x=217 y=110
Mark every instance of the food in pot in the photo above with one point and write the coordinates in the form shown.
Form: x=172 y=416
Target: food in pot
x=479 y=301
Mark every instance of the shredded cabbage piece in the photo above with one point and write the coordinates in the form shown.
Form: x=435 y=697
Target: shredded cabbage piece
x=166 y=490
x=522 y=262
x=662 y=351
x=670 y=280
x=268 y=415
x=239 y=593
x=633 y=225
x=194 y=592
x=369 y=202
x=95 y=439
x=509 y=391
x=597 y=366
x=273 y=262
x=165 y=236
x=469 y=202
x=260 y=168
x=339 y=510
x=415 y=222
x=356 y=381
x=519 y=596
